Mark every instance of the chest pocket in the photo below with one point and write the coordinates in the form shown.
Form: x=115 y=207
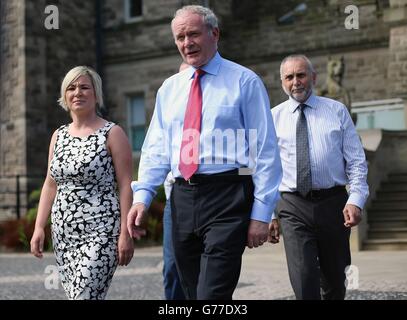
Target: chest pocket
x=223 y=116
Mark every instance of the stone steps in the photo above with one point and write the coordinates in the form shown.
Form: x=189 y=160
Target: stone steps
x=399 y=177
x=392 y=196
x=393 y=187
x=389 y=205
x=387 y=233
x=388 y=222
x=387 y=215
x=385 y=244
x=378 y=213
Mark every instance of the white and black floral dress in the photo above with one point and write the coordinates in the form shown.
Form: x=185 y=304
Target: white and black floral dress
x=85 y=214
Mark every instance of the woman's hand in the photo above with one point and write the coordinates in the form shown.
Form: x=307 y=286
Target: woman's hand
x=125 y=248
x=37 y=242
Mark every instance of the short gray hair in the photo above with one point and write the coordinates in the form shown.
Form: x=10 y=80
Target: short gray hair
x=296 y=57
x=74 y=74
x=207 y=14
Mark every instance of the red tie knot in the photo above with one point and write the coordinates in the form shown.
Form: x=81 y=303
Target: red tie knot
x=198 y=73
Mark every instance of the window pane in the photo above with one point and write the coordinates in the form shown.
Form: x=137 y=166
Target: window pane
x=137 y=111
x=383 y=119
x=390 y=119
x=135 y=8
x=363 y=121
x=137 y=138
x=137 y=121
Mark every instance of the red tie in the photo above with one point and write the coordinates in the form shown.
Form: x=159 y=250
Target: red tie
x=189 y=153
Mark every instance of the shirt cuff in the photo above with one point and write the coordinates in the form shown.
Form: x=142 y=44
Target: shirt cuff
x=356 y=200
x=143 y=196
x=262 y=212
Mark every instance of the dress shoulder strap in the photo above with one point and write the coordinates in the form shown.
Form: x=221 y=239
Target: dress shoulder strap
x=62 y=130
x=106 y=128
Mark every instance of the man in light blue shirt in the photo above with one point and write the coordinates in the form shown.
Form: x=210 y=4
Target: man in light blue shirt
x=228 y=202
x=321 y=152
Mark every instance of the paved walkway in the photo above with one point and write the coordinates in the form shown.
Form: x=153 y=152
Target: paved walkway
x=378 y=275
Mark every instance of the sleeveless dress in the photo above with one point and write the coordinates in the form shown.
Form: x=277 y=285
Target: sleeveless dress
x=85 y=214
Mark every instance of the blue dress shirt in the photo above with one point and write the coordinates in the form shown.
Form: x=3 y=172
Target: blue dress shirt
x=336 y=152
x=237 y=131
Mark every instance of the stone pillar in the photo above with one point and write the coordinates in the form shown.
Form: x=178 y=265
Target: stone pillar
x=12 y=90
x=36 y=93
x=50 y=54
x=396 y=17
x=33 y=61
x=12 y=99
x=405 y=111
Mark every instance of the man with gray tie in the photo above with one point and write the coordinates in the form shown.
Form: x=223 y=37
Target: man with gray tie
x=320 y=152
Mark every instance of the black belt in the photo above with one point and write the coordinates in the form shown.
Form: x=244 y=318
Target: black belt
x=222 y=177
x=320 y=194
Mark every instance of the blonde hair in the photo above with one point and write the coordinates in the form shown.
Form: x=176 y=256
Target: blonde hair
x=74 y=74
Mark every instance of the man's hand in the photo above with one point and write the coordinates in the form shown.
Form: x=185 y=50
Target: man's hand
x=136 y=219
x=257 y=233
x=352 y=215
x=274 y=232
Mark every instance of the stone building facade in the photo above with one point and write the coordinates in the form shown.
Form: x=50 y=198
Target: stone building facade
x=135 y=54
x=33 y=61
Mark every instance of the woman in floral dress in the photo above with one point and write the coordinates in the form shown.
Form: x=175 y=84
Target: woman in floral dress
x=87 y=191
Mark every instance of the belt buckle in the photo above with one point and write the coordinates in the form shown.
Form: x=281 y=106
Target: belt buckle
x=191 y=183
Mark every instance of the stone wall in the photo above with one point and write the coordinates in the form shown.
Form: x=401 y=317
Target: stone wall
x=12 y=90
x=138 y=56
x=36 y=85
x=33 y=63
x=153 y=12
x=148 y=38
x=12 y=100
x=138 y=77
x=49 y=55
x=396 y=16
x=251 y=35
x=320 y=32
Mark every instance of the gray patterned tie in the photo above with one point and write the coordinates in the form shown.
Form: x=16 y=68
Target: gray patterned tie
x=304 y=180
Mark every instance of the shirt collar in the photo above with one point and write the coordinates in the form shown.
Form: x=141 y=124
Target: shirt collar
x=311 y=102
x=212 y=67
